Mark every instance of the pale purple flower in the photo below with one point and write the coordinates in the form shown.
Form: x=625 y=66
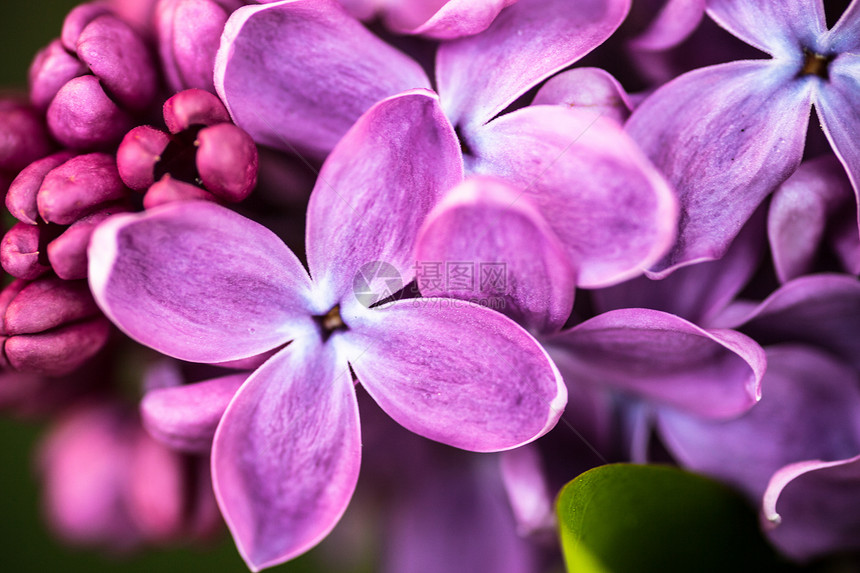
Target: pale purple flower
x=726 y=136
x=196 y=281
x=610 y=208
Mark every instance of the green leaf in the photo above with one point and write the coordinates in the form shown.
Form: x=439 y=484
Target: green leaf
x=624 y=518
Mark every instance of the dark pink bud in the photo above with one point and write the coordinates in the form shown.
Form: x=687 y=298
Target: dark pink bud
x=137 y=155
x=23 y=137
x=48 y=303
x=84 y=464
x=82 y=116
x=59 y=351
x=77 y=19
x=7 y=295
x=80 y=186
x=68 y=252
x=193 y=107
x=20 y=252
x=189 y=35
x=52 y=67
x=227 y=161
x=118 y=57
x=157 y=492
x=21 y=197
x=168 y=190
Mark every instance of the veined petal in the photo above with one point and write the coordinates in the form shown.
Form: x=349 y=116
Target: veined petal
x=751 y=117
x=590 y=88
x=614 y=213
x=455 y=372
x=810 y=409
x=799 y=213
x=286 y=455
x=297 y=74
x=667 y=360
x=443 y=19
x=791 y=24
x=819 y=310
x=508 y=255
x=812 y=507
x=376 y=188
x=480 y=75
x=185 y=417
x=838 y=103
x=198 y=282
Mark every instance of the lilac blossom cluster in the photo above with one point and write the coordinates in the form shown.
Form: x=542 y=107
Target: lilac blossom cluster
x=453 y=213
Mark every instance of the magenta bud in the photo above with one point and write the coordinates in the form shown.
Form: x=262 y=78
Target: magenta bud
x=82 y=185
x=193 y=107
x=157 y=491
x=78 y=19
x=118 y=57
x=68 y=252
x=59 y=351
x=227 y=161
x=82 y=116
x=46 y=304
x=137 y=155
x=189 y=35
x=168 y=190
x=21 y=197
x=52 y=67
x=83 y=464
x=23 y=137
x=19 y=252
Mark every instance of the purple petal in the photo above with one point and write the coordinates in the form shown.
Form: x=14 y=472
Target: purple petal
x=138 y=154
x=696 y=292
x=751 y=116
x=812 y=507
x=674 y=23
x=380 y=183
x=227 y=161
x=455 y=372
x=68 y=252
x=286 y=455
x=612 y=211
x=335 y=71
x=820 y=310
x=799 y=213
x=198 y=282
x=514 y=261
x=810 y=409
x=837 y=103
x=791 y=24
x=590 y=88
x=452 y=19
x=665 y=359
x=168 y=190
x=480 y=75
x=193 y=107
x=52 y=67
x=845 y=35
x=185 y=417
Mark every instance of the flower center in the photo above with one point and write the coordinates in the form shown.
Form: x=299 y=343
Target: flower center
x=331 y=322
x=815 y=64
x=179 y=158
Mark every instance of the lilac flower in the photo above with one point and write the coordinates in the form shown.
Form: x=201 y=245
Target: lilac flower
x=196 y=281
x=559 y=157
x=728 y=135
